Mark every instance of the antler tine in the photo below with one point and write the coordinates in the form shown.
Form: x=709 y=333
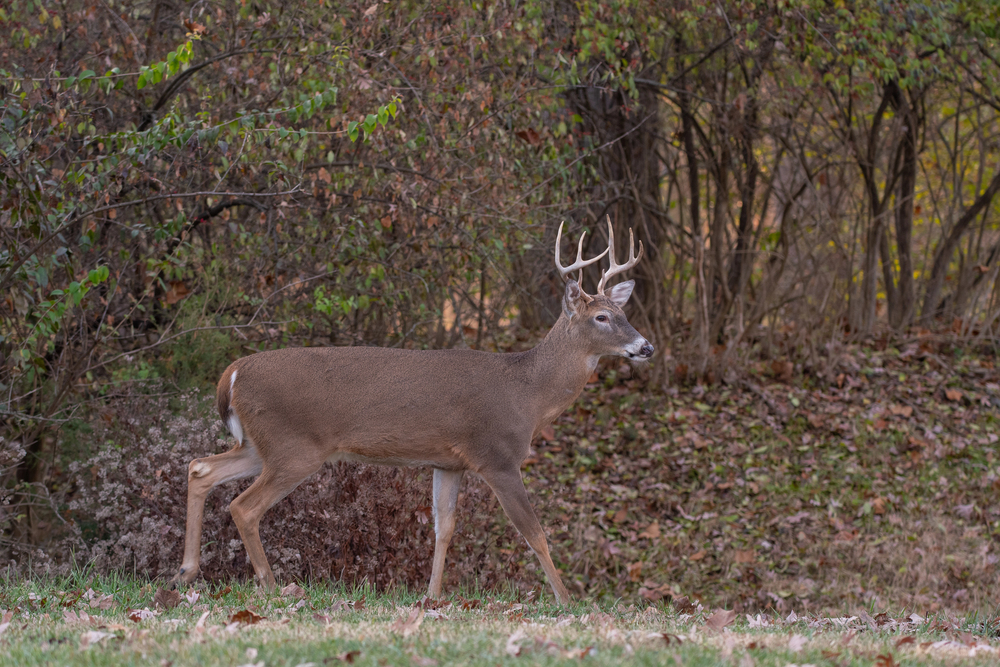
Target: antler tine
x=614 y=268
x=580 y=263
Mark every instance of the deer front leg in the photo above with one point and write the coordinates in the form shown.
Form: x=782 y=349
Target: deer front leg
x=203 y=476
x=510 y=491
x=446 y=486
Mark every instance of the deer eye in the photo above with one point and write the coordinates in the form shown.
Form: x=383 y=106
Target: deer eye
x=601 y=318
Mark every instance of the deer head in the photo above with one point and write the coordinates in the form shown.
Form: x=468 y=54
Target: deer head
x=599 y=318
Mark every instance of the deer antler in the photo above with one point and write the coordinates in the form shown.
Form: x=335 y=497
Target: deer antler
x=580 y=263
x=614 y=267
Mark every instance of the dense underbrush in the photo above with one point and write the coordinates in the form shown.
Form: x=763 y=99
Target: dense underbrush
x=874 y=482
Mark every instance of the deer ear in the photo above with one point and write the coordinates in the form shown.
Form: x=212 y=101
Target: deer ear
x=573 y=299
x=620 y=293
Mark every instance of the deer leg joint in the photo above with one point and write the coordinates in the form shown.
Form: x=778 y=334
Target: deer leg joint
x=199 y=469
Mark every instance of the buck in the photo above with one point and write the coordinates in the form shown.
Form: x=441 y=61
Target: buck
x=292 y=410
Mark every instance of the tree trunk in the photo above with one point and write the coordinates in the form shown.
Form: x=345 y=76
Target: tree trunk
x=944 y=252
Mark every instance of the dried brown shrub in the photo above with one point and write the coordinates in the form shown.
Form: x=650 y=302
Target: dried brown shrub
x=349 y=521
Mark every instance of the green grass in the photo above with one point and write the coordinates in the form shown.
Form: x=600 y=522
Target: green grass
x=332 y=625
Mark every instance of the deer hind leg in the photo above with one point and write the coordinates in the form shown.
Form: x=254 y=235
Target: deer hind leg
x=446 y=486
x=514 y=499
x=274 y=483
x=203 y=476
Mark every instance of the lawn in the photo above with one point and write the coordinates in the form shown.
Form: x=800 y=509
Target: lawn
x=123 y=621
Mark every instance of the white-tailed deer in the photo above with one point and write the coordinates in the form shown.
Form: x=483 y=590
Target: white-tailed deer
x=292 y=410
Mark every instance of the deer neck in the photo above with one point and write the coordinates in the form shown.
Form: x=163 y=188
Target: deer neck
x=561 y=366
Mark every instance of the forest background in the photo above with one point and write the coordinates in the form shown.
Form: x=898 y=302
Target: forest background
x=186 y=182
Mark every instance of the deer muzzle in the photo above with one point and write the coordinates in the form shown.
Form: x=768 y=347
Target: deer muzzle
x=639 y=349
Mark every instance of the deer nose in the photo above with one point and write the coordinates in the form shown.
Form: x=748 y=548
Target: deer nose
x=646 y=351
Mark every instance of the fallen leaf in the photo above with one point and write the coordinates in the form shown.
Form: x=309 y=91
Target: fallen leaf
x=166 y=599
x=513 y=648
x=635 y=571
x=199 y=627
x=720 y=619
x=951 y=395
x=227 y=589
x=886 y=660
x=652 y=591
x=371 y=11
x=246 y=616
x=683 y=605
x=92 y=637
x=349 y=657
x=901 y=410
x=73 y=617
x=698 y=555
x=652 y=531
x=422 y=661
x=98 y=601
x=137 y=615
x=796 y=643
x=293 y=590
x=548 y=433
x=745 y=556
x=407 y=626
x=910 y=639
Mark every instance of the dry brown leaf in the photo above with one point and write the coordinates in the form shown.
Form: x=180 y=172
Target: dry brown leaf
x=97 y=601
x=698 y=555
x=635 y=571
x=909 y=639
x=720 y=619
x=166 y=598
x=92 y=637
x=178 y=290
x=227 y=589
x=683 y=605
x=745 y=556
x=901 y=410
x=349 y=657
x=137 y=615
x=951 y=395
x=652 y=531
x=886 y=660
x=246 y=616
x=407 y=626
x=293 y=590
